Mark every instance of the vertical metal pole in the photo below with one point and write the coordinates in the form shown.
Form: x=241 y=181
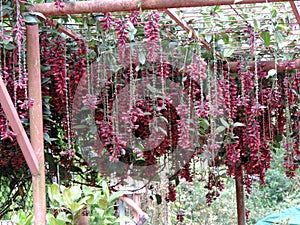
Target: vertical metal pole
x=240 y=199
x=36 y=122
x=121 y=210
x=136 y=199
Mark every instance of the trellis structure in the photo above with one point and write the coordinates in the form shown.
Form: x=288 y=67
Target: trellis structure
x=34 y=151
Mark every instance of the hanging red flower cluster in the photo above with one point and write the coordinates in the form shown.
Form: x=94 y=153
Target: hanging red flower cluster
x=140 y=116
x=122 y=37
x=258 y=112
x=62 y=70
x=215 y=185
x=151 y=31
x=266 y=115
x=14 y=75
x=107 y=22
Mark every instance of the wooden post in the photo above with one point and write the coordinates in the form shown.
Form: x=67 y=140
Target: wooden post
x=240 y=199
x=36 y=122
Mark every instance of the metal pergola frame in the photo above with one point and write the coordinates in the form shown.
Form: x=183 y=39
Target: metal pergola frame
x=33 y=150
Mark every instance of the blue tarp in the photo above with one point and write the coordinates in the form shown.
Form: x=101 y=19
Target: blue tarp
x=291 y=215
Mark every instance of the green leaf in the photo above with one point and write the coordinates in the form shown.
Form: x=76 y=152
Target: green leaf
x=173 y=44
x=278 y=138
x=56 y=221
x=256 y=24
x=54 y=194
x=122 y=219
x=62 y=216
x=238 y=124
x=140 y=3
x=204 y=123
x=208 y=37
x=80 y=126
x=106 y=221
x=67 y=197
x=190 y=33
x=46 y=110
x=47 y=138
x=142 y=58
x=86 y=190
x=74 y=207
x=6 y=10
x=90 y=199
x=278 y=37
x=273 y=12
x=163 y=130
x=138 y=68
x=9 y=46
x=105 y=188
x=265 y=35
x=86 y=200
x=164 y=119
x=103 y=203
x=132 y=32
x=158 y=199
x=45 y=80
x=31 y=19
x=151 y=88
x=225 y=38
x=28 y=220
x=116 y=195
x=37 y=14
x=271 y=73
x=225 y=124
x=140 y=146
x=228 y=52
x=76 y=193
x=220 y=129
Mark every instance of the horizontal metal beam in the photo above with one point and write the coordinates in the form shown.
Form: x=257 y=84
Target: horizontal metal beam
x=16 y=124
x=267 y=65
x=84 y=7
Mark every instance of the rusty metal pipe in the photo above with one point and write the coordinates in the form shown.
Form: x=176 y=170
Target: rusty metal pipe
x=265 y=65
x=240 y=198
x=187 y=28
x=60 y=28
x=36 y=122
x=83 y=7
x=296 y=12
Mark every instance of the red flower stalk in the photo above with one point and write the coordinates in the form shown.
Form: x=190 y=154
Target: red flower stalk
x=151 y=31
x=107 y=22
x=59 y=4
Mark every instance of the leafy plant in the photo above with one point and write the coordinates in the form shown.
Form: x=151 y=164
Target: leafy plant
x=68 y=204
x=22 y=218
x=102 y=204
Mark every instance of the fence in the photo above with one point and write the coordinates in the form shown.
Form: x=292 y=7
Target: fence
x=6 y=222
